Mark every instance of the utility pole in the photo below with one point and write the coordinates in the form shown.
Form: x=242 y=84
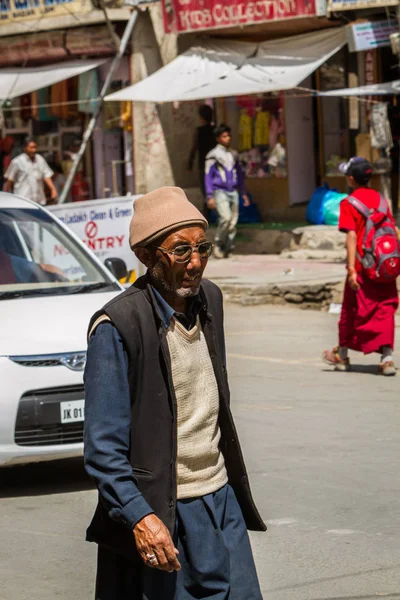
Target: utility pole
x=92 y=123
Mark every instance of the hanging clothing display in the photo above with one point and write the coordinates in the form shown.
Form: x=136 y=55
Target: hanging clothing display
x=274 y=128
x=88 y=92
x=72 y=95
x=25 y=107
x=34 y=105
x=126 y=115
x=381 y=135
x=245 y=131
x=44 y=98
x=261 y=128
x=58 y=98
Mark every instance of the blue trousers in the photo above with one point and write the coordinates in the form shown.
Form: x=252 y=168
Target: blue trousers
x=214 y=551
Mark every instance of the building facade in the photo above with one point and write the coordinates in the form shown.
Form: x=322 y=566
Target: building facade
x=50 y=94
x=290 y=141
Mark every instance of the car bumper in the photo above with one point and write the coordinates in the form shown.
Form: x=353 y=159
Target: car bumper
x=11 y=454
x=39 y=389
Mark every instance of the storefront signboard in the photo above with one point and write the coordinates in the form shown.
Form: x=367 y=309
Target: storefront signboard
x=334 y=5
x=103 y=225
x=194 y=15
x=370 y=35
x=12 y=11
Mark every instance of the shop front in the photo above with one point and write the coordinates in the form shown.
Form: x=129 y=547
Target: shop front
x=357 y=92
x=49 y=88
x=248 y=84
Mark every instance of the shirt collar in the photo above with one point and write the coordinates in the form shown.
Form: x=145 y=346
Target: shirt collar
x=167 y=312
x=32 y=162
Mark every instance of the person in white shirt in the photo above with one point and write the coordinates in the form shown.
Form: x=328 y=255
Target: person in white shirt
x=26 y=174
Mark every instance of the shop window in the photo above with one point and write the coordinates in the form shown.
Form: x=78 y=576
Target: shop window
x=258 y=134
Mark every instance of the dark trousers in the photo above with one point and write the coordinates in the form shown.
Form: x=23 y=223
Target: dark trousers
x=214 y=551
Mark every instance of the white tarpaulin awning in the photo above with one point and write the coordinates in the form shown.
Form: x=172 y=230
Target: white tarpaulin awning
x=230 y=68
x=377 y=89
x=18 y=81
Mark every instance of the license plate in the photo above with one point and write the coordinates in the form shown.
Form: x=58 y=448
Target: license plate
x=72 y=412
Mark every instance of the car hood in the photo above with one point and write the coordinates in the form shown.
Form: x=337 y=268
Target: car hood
x=48 y=325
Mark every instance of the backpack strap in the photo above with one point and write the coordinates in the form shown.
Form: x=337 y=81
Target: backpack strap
x=366 y=213
x=383 y=205
x=359 y=206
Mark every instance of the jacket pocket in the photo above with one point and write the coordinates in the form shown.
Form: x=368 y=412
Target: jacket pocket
x=142 y=472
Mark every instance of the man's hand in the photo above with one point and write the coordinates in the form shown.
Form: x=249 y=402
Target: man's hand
x=211 y=204
x=153 y=538
x=8 y=187
x=246 y=200
x=53 y=192
x=353 y=280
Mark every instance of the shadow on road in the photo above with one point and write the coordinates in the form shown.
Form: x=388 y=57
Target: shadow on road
x=40 y=479
x=368 y=597
x=366 y=369
x=304 y=584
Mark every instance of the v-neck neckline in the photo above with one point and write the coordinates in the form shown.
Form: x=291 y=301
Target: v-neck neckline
x=188 y=333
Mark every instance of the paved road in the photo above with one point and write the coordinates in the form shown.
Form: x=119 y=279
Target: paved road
x=323 y=453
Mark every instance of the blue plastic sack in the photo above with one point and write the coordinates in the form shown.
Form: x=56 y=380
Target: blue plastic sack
x=315 y=208
x=247 y=214
x=331 y=206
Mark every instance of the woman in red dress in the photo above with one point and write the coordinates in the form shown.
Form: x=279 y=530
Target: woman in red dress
x=367 y=320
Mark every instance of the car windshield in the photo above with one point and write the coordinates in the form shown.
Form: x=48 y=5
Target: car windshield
x=37 y=257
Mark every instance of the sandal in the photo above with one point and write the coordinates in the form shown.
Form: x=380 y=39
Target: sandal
x=331 y=357
x=387 y=368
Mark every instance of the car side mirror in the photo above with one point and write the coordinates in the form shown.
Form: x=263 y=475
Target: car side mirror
x=117 y=267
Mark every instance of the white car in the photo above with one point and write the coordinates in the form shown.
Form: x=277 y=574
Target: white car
x=50 y=286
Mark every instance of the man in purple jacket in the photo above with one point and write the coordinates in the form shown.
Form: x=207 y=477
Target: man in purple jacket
x=224 y=180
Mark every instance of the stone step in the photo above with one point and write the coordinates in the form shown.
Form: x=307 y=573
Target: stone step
x=332 y=256
x=313 y=295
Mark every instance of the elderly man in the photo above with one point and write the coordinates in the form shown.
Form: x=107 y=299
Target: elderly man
x=160 y=442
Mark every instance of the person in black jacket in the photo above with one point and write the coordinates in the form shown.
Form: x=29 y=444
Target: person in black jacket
x=174 y=498
x=203 y=143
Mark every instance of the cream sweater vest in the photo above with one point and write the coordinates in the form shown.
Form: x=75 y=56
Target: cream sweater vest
x=200 y=463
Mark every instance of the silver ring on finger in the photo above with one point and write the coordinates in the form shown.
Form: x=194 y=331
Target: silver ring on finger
x=152 y=559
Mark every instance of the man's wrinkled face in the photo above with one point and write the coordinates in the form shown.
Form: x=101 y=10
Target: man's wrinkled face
x=181 y=279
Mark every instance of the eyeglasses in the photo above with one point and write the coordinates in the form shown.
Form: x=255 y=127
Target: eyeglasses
x=183 y=254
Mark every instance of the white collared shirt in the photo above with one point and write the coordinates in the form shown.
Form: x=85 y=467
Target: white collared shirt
x=27 y=176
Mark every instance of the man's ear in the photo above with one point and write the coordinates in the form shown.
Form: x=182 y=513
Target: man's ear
x=144 y=255
x=352 y=181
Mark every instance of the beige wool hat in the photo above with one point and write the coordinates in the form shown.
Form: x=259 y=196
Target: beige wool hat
x=160 y=212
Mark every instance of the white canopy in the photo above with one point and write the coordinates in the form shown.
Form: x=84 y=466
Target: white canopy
x=229 y=68
x=377 y=89
x=18 y=81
